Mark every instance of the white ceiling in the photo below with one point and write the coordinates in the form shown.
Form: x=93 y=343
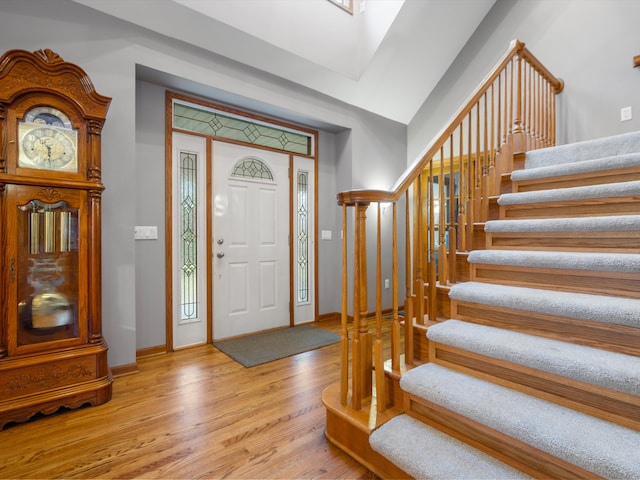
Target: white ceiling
x=386 y=58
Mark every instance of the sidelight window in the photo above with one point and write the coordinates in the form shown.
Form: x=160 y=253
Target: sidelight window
x=303 y=236
x=188 y=236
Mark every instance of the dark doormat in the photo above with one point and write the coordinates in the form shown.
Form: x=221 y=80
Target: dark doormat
x=269 y=346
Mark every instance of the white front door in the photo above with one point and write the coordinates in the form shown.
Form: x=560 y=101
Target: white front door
x=250 y=240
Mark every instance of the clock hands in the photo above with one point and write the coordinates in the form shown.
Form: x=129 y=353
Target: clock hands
x=48 y=147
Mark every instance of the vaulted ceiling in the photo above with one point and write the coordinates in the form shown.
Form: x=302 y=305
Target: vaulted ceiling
x=385 y=58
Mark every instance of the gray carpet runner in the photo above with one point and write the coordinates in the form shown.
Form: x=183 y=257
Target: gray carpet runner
x=586 y=166
x=585 y=364
x=596 y=445
x=581 y=151
x=597 y=308
x=574 y=194
x=581 y=224
x=606 y=262
x=434 y=455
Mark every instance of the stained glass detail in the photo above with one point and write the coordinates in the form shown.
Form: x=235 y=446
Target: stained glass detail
x=188 y=236
x=199 y=119
x=303 y=236
x=253 y=168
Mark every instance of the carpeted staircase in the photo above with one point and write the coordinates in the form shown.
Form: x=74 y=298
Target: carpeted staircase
x=538 y=371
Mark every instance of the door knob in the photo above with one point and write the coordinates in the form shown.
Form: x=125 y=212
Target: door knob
x=220 y=254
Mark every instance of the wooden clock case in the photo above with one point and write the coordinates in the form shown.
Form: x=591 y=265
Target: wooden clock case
x=52 y=352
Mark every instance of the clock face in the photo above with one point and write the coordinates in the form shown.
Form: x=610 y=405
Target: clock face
x=48 y=141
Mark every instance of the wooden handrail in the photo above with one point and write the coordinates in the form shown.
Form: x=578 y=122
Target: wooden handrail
x=446 y=193
x=409 y=176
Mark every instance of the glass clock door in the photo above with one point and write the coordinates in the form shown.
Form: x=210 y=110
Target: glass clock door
x=47 y=271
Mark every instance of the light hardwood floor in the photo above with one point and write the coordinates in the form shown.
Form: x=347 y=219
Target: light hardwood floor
x=192 y=414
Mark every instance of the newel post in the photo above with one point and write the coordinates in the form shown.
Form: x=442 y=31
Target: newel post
x=344 y=332
x=362 y=339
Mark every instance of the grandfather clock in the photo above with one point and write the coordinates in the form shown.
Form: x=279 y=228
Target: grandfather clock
x=52 y=353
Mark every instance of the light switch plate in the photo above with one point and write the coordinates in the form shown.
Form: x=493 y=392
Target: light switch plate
x=146 y=232
x=625 y=114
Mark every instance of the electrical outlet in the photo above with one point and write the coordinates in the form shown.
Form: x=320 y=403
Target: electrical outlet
x=386 y=283
x=625 y=114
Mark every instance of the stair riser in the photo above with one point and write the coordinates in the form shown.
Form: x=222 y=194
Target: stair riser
x=581 y=281
x=615 y=338
x=478 y=237
x=420 y=344
x=462 y=267
x=611 y=242
x=494 y=209
x=568 y=209
x=503 y=447
x=506 y=185
x=610 y=405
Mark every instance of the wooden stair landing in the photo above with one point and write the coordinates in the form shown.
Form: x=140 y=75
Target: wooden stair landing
x=349 y=430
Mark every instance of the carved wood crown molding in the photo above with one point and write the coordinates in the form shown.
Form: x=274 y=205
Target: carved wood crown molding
x=49 y=56
x=47 y=70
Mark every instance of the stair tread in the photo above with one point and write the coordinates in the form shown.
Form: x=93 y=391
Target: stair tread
x=606 y=369
x=583 y=306
x=591 y=261
x=586 y=150
x=572 y=194
x=579 y=224
x=575 y=168
x=424 y=452
x=596 y=445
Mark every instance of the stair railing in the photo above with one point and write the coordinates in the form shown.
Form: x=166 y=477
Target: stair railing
x=443 y=196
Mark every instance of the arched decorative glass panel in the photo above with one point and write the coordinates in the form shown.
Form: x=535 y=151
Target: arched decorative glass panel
x=252 y=168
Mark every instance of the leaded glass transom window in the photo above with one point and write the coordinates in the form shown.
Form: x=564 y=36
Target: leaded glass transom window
x=303 y=236
x=188 y=236
x=252 y=168
x=199 y=119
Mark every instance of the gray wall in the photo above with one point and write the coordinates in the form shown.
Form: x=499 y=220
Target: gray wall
x=150 y=210
x=132 y=66
x=590 y=44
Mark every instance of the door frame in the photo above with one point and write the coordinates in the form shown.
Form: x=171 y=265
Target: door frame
x=170 y=97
